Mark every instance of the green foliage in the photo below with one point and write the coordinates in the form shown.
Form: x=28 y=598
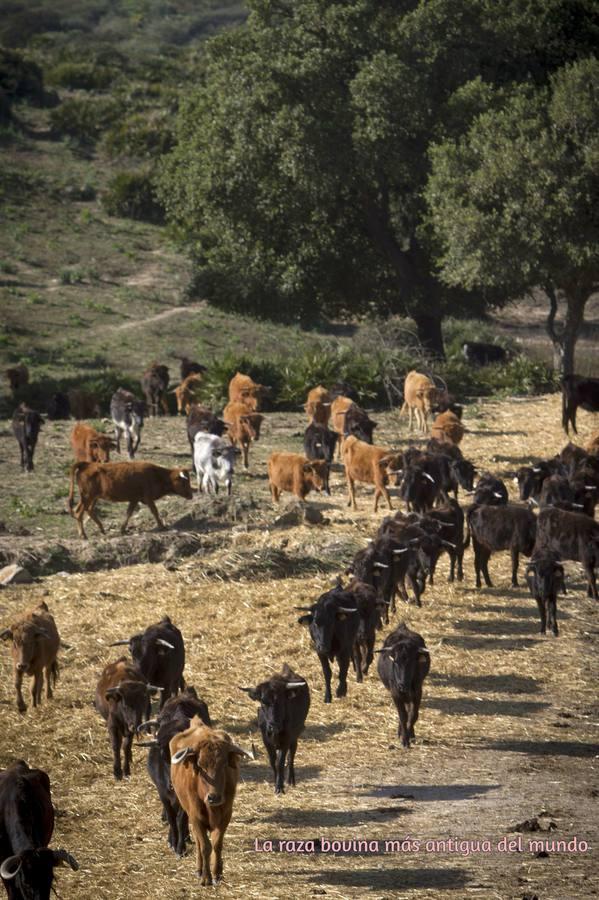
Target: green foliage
x=85 y=119
x=456 y=331
x=20 y=78
x=132 y=195
x=141 y=135
x=83 y=76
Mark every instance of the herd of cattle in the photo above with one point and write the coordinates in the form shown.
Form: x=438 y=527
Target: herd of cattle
x=194 y=766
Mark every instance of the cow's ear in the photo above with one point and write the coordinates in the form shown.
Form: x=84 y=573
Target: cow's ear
x=113 y=694
x=306 y=620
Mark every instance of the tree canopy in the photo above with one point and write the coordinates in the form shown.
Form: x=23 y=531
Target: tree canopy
x=298 y=177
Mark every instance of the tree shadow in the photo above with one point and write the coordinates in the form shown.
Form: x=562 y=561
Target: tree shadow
x=375 y=879
x=332 y=818
x=512 y=683
x=457 y=706
x=499 y=626
x=260 y=773
x=545 y=748
x=470 y=642
x=321 y=732
x=433 y=793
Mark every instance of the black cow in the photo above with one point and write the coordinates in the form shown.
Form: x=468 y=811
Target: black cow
x=570 y=535
x=320 y=442
x=159 y=653
x=127 y=413
x=450 y=520
x=333 y=621
x=358 y=423
x=201 y=418
x=188 y=367
x=26 y=424
x=577 y=391
x=545 y=579
x=572 y=456
x=284 y=703
x=478 y=353
x=403 y=664
x=58 y=407
x=154 y=384
x=175 y=716
x=496 y=528
x=343 y=389
x=370 y=608
x=26 y=824
x=419 y=487
x=490 y=491
x=530 y=479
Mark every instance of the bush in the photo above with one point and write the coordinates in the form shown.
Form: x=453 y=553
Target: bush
x=141 y=136
x=82 y=76
x=85 y=120
x=457 y=331
x=131 y=195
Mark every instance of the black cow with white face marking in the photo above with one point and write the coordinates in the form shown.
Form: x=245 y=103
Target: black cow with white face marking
x=333 y=622
x=159 y=653
x=490 y=491
x=284 y=703
x=403 y=664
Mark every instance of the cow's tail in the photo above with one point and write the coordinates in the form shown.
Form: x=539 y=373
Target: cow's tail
x=54 y=671
x=74 y=472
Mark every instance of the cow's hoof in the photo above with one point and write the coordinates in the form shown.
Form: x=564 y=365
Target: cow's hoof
x=279 y=790
x=22 y=707
x=118 y=776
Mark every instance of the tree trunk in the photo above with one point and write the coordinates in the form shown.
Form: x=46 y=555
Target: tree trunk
x=565 y=337
x=430 y=334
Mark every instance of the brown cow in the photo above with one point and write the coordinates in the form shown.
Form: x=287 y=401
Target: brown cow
x=244 y=427
x=204 y=774
x=90 y=445
x=35 y=645
x=84 y=405
x=242 y=389
x=371 y=465
x=420 y=395
x=17 y=377
x=339 y=408
x=318 y=405
x=297 y=474
x=124 y=482
x=123 y=701
x=186 y=393
x=447 y=428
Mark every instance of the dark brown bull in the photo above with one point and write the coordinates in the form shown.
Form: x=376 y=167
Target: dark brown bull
x=123 y=701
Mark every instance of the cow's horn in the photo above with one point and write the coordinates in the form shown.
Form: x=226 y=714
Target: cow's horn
x=423 y=650
x=165 y=643
x=153 y=743
x=120 y=643
x=247 y=690
x=536 y=468
x=295 y=684
x=497 y=494
x=145 y=725
x=347 y=609
x=180 y=755
x=6 y=871
x=378 y=565
x=430 y=477
x=590 y=487
x=154 y=687
x=403 y=550
x=303 y=608
x=449 y=544
x=251 y=754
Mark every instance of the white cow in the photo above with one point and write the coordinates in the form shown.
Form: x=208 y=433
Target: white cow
x=214 y=462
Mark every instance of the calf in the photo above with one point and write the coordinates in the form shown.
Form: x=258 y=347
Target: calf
x=570 y=535
x=578 y=392
x=320 y=443
x=349 y=419
x=244 y=427
x=26 y=424
x=58 y=407
x=420 y=397
x=284 y=703
x=127 y=413
x=200 y=418
x=477 y=353
x=243 y=389
x=403 y=664
x=214 y=462
x=296 y=474
x=496 y=528
x=154 y=384
x=90 y=445
x=35 y=643
x=186 y=393
x=490 y=491
x=159 y=654
x=370 y=465
x=17 y=377
x=174 y=717
x=318 y=406
x=448 y=428
x=333 y=622
x=204 y=774
x=129 y=482
x=545 y=579
x=188 y=367
x=26 y=825
x=123 y=701
x=83 y=404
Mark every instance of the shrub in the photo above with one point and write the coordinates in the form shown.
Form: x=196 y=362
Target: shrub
x=141 y=136
x=457 y=331
x=82 y=76
x=131 y=195
x=85 y=120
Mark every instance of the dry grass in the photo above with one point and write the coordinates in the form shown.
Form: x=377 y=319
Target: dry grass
x=508 y=724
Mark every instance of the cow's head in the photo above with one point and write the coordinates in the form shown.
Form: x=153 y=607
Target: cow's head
x=29 y=874
x=545 y=576
x=273 y=697
x=252 y=422
x=464 y=472
x=324 y=618
x=404 y=656
x=210 y=754
x=316 y=474
x=131 y=701
x=181 y=483
x=392 y=464
x=27 y=641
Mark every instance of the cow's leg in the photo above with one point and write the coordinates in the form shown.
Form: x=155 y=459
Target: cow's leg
x=202 y=851
x=216 y=859
x=164 y=404
x=515 y=558
x=542 y=614
x=352 y=492
x=402 y=728
x=410 y=418
x=356 y=659
x=272 y=758
x=78 y=514
x=326 y=671
x=29 y=456
x=127 y=741
x=91 y=511
x=116 y=740
x=552 y=615
x=275 y=492
x=343 y=660
x=485 y=568
x=592 y=586
x=169 y=815
x=37 y=687
x=156 y=514
x=21 y=705
x=414 y=710
x=130 y=510
x=182 y=832
x=245 y=450
x=368 y=654
x=460 y=559
x=291 y=762
x=49 y=693
x=280 y=772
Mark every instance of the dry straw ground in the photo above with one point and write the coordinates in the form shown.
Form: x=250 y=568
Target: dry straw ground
x=508 y=727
